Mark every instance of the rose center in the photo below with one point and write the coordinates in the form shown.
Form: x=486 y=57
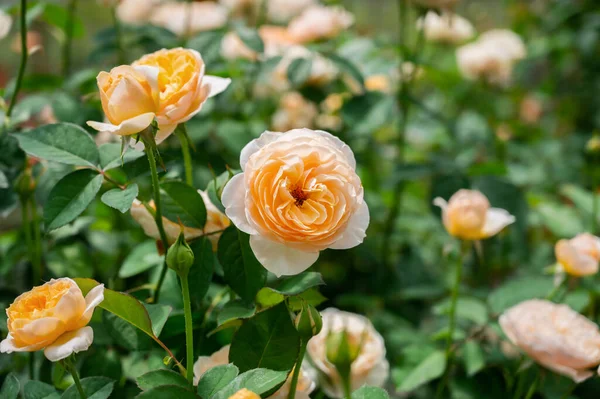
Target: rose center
x=299 y=195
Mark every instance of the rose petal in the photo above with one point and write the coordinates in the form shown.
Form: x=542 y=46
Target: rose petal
x=442 y=203
x=233 y=199
x=281 y=259
x=8 y=346
x=217 y=85
x=256 y=144
x=69 y=343
x=92 y=299
x=126 y=128
x=496 y=219
x=355 y=232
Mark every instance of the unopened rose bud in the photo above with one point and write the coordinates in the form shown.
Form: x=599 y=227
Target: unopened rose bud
x=180 y=256
x=342 y=351
x=244 y=394
x=25 y=184
x=308 y=322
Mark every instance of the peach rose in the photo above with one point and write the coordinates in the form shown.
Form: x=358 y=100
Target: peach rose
x=468 y=216
x=294 y=112
x=221 y=357
x=233 y=48
x=215 y=221
x=53 y=317
x=370 y=367
x=129 y=97
x=5 y=24
x=298 y=194
x=555 y=336
x=182 y=86
x=244 y=393
x=284 y=10
x=185 y=19
x=319 y=22
x=579 y=256
x=445 y=27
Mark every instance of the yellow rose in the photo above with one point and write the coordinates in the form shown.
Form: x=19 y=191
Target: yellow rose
x=468 y=215
x=298 y=194
x=579 y=256
x=129 y=97
x=182 y=85
x=53 y=316
x=555 y=336
x=215 y=221
x=244 y=394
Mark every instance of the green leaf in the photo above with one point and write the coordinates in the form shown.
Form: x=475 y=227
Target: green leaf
x=200 y=275
x=251 y=38
x=61 y=142
x=299 y=71
x=159 y=314
x=516 y=291
x=101 y=361
x=473 y=358
x=347 y=67
x=93 y=387
x=120 y=200
x=39 y=390
x=182 y=202
x=242 y=271
x=259 y=381
x=267 y=340
x=143 y=257
x=125 y=334
x=288 y=286
x=168 y=392
x=11 y=387
x=157 y=378
x=70 y=197
x=466 y=308
x=57 y=16
x=367 y=392
x=110 y=156
x=215 y=379
x=310 y=297
x=369 y=112
x=429 y=369
x=234 y=310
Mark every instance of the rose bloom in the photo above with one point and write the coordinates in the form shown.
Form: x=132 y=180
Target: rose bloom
x=5 y=24
x=555 y=336
x=285 y=10
x=244 y=393
x=186 y=19
x=320 y=22
x=468 y=215
x=275 y=39
x=298 y=194
x=305 y=385
x=136 y=12
x=294 y=112
x=370 y=367
x=445 y=28
x=579 y=256
x=215 y=221
x=53 y=317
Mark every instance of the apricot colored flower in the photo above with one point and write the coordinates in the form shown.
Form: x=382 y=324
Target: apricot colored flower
x=370 y=367
x=468 y=215
x=305 y=385
x=185 y=19
x=319 y=22
x=555 y=336
x=445 y=27
x=284 y=10
x=53 y=317
x=182 y=85
x=129 y=97
x=298 y=194
x=244 y=393
x=215 y=221
x=579 y=256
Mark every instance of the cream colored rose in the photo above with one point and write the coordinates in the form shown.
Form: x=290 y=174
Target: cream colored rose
x=294 y=112
x=370 y=367
x=215 y=221
x=5 y=24
x=275 y=39
x=53 y=317
x=182 y=85
x=445 y=28
x=468 y=215
x=298 y=194
x=136 y=12
x=555 y=336
x=579 y=256
x=305 y=385
x=319 y=22
x=185 y=19
x=285 y=10
x=130 y=99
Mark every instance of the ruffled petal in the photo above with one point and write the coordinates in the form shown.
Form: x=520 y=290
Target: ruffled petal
x=496 y=219
x=217 y=85
x=281 y=259
x=69 y=343
x=126 y=128
x=92 y=299
x=233 y=199
x=356 y=230
x=256 y=144
x=8 y=345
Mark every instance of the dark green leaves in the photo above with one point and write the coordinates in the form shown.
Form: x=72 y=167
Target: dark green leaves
x=242 y=270
x=120 y=200
x=70 y=197
x=201 y=272
x=39 y=390
x=157 y=378
x=94 y=387
x=181 y=202
x=143 y=257
x=62 y=142
x=110 y=156
x=288 y=286
x=347 y=67
x=11 y=387
x=267 y=340
x=259 y=381
x=168 y=392
x=299 y=71
x=367 y=392
x=429 y=369
x=251 y=38
x=215 y=379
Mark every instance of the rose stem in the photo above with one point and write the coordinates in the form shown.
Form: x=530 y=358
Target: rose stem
x=28 y=239
x=37 y=240
x=24 y=56
x=189 y=331
x=181 y=133
x=69 y=365
x=297 y=369
x=118 y=37
x=69 y=27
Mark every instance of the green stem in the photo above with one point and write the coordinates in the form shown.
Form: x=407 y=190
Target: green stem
x=347 y=388
x=533 y=387
x=297 y=369
x=189 y=331
x=37 y=239
x=69 y=28
x=75 y=376
x=26 y=222
x=24 y=56
x=118 y=37
x=181 y=133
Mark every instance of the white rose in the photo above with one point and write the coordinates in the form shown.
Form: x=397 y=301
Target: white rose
x=320 y=22
x=445 y=28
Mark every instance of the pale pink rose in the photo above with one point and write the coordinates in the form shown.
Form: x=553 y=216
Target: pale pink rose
x=555 y=336
x=185 y=19
x=579 y=256
x=446 y=27
x=215 y=221
x=320 y=22
x=285 y=10
x=298 y=194
x=468 y=215
x=370 y=367
x=5 y=24
x=294 y=112
x=136 y=12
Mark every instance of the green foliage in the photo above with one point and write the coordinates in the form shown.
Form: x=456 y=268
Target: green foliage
x=367 y=392
x=259 y=381
x=182 y=204
x=120 y=199
x=93 y=387
x=216 y=379
x=11 y=387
